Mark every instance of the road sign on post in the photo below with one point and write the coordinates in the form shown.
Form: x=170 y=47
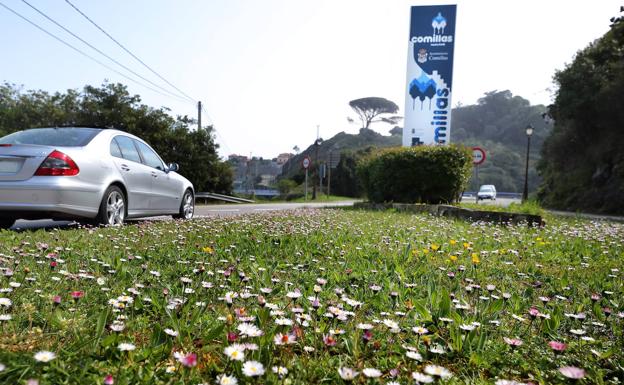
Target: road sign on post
x=478 y=156
x=306 y=164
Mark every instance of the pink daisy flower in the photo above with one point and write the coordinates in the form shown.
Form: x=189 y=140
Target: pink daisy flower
x=572 y=372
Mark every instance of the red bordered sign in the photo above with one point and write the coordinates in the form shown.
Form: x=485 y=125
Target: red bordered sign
x=306 y=162
x=478 y=156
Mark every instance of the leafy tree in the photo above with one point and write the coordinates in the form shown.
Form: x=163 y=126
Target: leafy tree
x=497 y=123
x=344 y=178
x=370 y=108
x=285 y=186
x=582 y=161
x=111 y=105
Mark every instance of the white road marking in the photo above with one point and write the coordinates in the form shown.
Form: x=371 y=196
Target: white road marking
x=223 y=210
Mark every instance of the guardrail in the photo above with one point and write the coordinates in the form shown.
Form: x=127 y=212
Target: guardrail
x=258 y=192
x=221 y=197
x=502 y=194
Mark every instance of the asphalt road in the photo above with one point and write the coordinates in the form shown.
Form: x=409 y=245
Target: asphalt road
x=200 y=211
x=234 y=209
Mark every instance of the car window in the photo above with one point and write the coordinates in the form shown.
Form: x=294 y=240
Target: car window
x=66 y=137
x=150 y=158
x=114 y=149
x=128 y=150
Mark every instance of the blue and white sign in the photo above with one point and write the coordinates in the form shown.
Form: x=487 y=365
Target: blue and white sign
x=429 y=75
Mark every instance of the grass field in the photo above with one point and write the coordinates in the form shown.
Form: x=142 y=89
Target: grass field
x=323 y=296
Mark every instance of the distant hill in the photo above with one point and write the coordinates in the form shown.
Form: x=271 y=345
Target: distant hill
x=496 y=123
x=341 y=142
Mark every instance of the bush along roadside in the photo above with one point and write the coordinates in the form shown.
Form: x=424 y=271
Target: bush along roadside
x=423 y=174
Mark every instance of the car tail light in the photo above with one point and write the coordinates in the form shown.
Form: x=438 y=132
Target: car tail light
x=5 y=144
x=58 y=164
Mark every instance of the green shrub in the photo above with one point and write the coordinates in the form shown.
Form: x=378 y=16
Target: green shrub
x=285 y=186
x=425 y=174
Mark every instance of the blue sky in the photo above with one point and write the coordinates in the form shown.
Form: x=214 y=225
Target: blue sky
x=268 y=72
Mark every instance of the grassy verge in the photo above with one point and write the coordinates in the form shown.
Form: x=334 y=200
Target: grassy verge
x=528 y=207
x=317 y=295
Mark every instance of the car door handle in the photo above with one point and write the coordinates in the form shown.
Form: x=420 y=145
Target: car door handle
x=125 y=167
x=154 y=175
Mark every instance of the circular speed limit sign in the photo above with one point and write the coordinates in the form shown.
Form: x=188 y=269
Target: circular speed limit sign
x=478 y=156
x=306 y=162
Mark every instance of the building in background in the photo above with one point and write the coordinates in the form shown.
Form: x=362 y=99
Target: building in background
x=253 y=173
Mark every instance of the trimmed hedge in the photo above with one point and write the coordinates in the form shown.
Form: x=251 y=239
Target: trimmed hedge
x=422 y=174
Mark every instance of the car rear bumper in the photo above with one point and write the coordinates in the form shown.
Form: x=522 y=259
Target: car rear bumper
x=49 y=197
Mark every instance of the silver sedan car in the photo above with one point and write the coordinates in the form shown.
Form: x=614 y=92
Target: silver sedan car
x=100 y=175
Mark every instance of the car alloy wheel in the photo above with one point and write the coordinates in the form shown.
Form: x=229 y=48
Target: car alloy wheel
x=115 y=208
x=188 y=205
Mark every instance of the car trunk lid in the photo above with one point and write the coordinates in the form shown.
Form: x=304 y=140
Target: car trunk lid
x=20 y=161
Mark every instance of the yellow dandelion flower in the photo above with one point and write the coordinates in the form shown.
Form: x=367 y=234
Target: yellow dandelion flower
x=453 y=242
x=453 y=258
x=475 y=258
x=435 y=247
x=208 y=250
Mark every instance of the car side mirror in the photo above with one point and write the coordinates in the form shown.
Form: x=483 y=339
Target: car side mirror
x=173 y=167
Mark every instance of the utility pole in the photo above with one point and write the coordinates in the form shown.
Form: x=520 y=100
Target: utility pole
x=199 y=126
x=329 y=174
x=321 y=173
x=316 y=168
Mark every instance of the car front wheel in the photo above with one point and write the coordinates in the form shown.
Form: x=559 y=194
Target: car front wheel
x=113 y=207
x=187 y=206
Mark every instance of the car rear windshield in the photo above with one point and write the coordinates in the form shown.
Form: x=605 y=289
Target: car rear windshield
x=65 y=137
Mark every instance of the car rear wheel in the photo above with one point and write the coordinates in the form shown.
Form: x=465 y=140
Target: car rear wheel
x=6 y=223
x=187 y=206
x=113 y=207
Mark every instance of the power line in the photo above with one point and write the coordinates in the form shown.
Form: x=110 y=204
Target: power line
x=221 y=139
x=128 y=51
x=81 y=52
x=100 y=52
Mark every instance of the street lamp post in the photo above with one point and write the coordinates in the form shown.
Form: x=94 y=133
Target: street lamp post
x=525 y=192
x=317 y=144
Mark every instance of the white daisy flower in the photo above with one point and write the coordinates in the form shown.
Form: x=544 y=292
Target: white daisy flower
x=44 y=356
x=421 y=378
x=347 y=374
x=224 y=379
x=126 y=347
x=235 y=352
x=371 y=372
x=435 y=370
x=253 y=369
